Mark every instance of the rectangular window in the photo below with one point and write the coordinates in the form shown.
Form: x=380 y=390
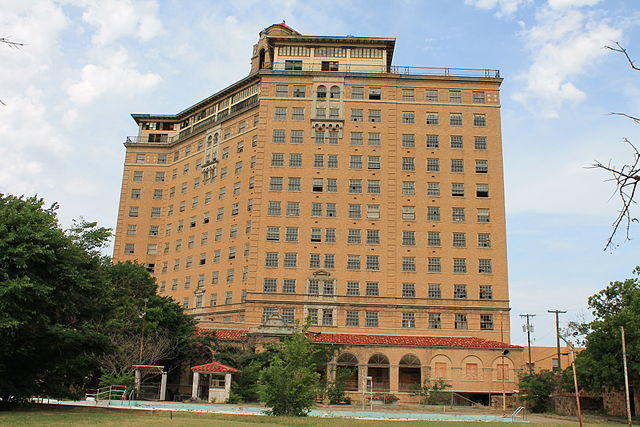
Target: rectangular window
x=278 y=136
x=371 y=319
x=434 y=265
x=355 y=162
x=408 y=320
x=270 y=285
x=291 y=234
x=408 y=140
x=353 y=318
x=299 y=92
x=457 y=214
x=433 y=238
x=434 y=291
x=460 y=291
x=328 y=287
x=353 y=236
x=479 y=120
x=356 y=138
x=457 y=165
x=408 y=95
x=332 y=161
x=433 y=213
x=317 y=185
x=408 y=164
x=373 y=237
x=480 y=142
x=275 y=183
x=375 y=116
x=486 y=292
x=274 y=208
x=356 y=115
x=408 y=117
x=355 y=186
x=408 y=188
x=482 y=166
x=460 y=321
x=373 y=186
x=316 y=235
x=271 y=259
x=327 y=317
x=482 y=190
x=273 y=234
x=312 y=315
x=277 y=159
x=373 y=162
x=357 y=92
x=484 y=240
x=133 y=211
x=459 y=240
x=294 y=65
x=431 y=95
x=434 y=321
x=288 y=315
x=408 y=264
x=372 y=289
x=455 y=119
x=373 y=211
x=330 y=235
x=457 y=189
x=355 y=211
x=433 y=165
x=433 y=141
x=316 y=209
x=353 y=288
x=297 y=113
x=329 y=66
x=432 y=118
x=478 y=97
x=294 y=184
x=409 y=213
x=290 y=260
x=433 y=189
x=314 y=260
x=373 y=262
x=293 y=209
x=455 y=96
x=484 y=266
x=375 y=93
x=329 y=261
x=289 y=286
x=318 y=161
x=408 y=238
x=297 y=136
x=459 y=265
x=483 y=215
x=408 y=290
x=486 y=322
x=374 y=139
x=280 y=113
x=353 y=262
x=332 y=185
x=282 y=90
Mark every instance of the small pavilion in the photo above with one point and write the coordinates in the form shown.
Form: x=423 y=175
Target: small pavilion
x=216 y=384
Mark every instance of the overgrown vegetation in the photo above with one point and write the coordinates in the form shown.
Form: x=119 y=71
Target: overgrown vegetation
x=536 y=389
x=433 y=392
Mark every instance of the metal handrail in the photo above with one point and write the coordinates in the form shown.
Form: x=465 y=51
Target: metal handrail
x=107 y=393
x=520 y=410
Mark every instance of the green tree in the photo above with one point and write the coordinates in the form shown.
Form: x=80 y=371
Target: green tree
x=600 y=364
x=536 y=390
x=433 y=392
x=291 y=383
x=54 y=295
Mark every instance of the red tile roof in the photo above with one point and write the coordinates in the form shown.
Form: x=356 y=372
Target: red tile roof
x=214 y=367
x=395 y=340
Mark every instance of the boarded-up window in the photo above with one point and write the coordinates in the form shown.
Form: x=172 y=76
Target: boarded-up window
x=503 y=371
x=441 y=369
x=472 y=371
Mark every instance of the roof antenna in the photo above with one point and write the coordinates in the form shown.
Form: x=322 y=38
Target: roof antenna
x=283 y=21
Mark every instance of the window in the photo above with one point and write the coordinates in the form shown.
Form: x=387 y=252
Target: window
x=321 y=91
x=314 y=261
x=135 y=194
x=408 y=164
x=275 y=183
x=328 y=287
x=434 y=321
x=409 y=290
x=353 y=236
x=455 y=96
x=484 y=240
x=356 y=138
x=408 y=264
x=373 y=211
x=371 y=319
x=478 y=97
x=409 y=238
x=299 y=92
x=457 y=165
x=317 y=185
x=479 y=120
x=433 y=189
x=159 y=176
x=129 y=248
x=131 y=230
x=482 y=166
x=355 y=162
x=434 y=265
x=480 y=142
x=332 y=161
x=291 y=234
x=432 y=141
x=290 y=260
x=459 y=265
x=482 y=190
x=457 y=189
x=460 y=291
x=486 y=292
x=312 y=314
x=483 y=215
x=288 y=315
x=434 y=291
x=372 y=289
x=357 y=92
x=433 y=213
x=293 y=65
x=316 y=235
x=431 y=95
x=374 y=116
x=408 y=95
x=282 y=90
x=353 y=262
x=432 y=118
x=294 y=184
x=408 y=140
x=356 y=115
x=408 y=320
x=330 y=235
x=375 y=93
x=409 y=213
x=329 y=261
x=289 y=286
x=459 y=240
x=278 y=136
x=273 y=234
x=334 y=92
x=327 y=317
x=280 y=114
x=329 y=66
x=274 y=209
x=457 y=214
x=355 y=211
x=270 y=285
x=433 y=238
x=318 y=161
x=460 y=321
x=486 y=322
x=373 y=186
x=484 y=266
x=271 y=259
x=408 y=188
x=297 y=114
x=353 y=318
x=133 y=211
x=433 y=165
x=373 y=262
x=353 y=288
x=355 y=186
x=316 y=209
x=277 y=159
x=373 y=237
x=137 y=175
x=408 y=117
x=321 y=113
x=293 y=209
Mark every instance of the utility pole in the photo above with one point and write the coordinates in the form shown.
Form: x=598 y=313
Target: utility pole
x=557 y=312
x=626 y=376
x=529 y=328
x=143 y=315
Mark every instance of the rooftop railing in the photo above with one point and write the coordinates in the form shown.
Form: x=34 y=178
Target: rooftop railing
x=379 y=68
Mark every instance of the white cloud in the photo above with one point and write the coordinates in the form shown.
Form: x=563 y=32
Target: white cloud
x=565 y=4
x=114 y=19
x=504 y=7
x=115 y=74
x=564 y=42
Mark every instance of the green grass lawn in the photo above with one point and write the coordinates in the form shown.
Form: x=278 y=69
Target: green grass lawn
x=70 y=416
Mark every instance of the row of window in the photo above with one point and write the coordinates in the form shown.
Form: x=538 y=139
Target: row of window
x=354 y=236
x=327 y=317
x=329 y=51
x=371 y=289
x=375 y=93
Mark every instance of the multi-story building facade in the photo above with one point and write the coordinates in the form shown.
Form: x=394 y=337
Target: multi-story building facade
x=332 y=186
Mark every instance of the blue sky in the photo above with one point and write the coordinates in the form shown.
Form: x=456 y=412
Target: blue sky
x=87 y=65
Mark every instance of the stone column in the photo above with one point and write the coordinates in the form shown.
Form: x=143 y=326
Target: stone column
x=194 y=387
x=138 y=380
x=394 y=379
x=227 y=383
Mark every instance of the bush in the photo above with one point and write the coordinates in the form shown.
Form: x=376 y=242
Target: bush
x=536 y=390
x=433 y=393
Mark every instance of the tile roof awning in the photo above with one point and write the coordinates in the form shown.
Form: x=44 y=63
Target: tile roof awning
x=214 y=367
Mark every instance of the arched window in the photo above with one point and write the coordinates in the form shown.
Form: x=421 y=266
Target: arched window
x=347 y=359
x=379 y=359
x=409 y=373
x=334 y=92
x=378 y=370
x=209 y=141
x=322 y=91
x=215 y=138
x=347 y=363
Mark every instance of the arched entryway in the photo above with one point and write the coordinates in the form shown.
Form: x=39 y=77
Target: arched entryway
x=409 y=373
x=378 y=370
x=347 y=364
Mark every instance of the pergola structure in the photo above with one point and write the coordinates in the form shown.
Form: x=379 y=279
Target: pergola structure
x=151 y=369
x=218 y=388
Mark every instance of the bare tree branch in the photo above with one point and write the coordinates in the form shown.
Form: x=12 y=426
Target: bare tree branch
x=624 y=52
x=11 y=43
x=635 y=119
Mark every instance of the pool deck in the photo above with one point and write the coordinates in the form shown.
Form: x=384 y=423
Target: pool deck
x=392 y=413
